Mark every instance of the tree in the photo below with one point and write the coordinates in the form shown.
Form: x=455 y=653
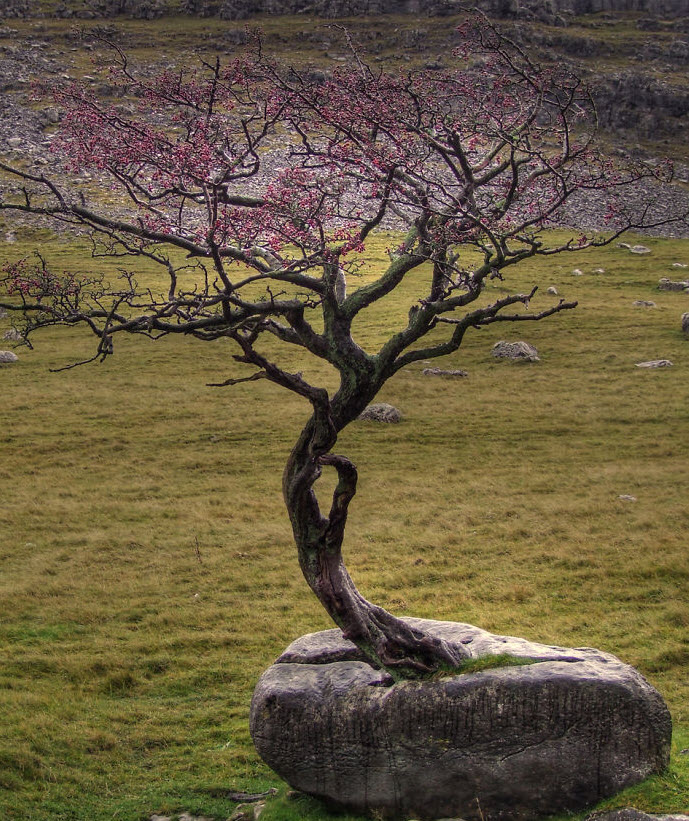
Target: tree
x=256 y=187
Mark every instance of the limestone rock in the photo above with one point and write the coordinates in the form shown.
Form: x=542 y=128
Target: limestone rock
x=552 y=290
x=508 y=743
x=456 y=374
x=13 y=335
x=515 y=350
x=665 y=284
x=8 y=356
x=645 y=303
x=685 y=324
x=655 y=363
x=639 y=249
x=381 y=412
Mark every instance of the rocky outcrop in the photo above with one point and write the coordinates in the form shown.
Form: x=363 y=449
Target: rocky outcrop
x=514 y=742
x=548 y=11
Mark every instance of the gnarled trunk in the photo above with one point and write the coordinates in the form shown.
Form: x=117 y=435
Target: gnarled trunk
x=386 y=641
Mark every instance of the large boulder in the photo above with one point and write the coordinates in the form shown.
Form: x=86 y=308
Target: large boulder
x=513 y=742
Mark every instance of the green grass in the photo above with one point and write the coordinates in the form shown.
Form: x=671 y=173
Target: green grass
x=147 y=573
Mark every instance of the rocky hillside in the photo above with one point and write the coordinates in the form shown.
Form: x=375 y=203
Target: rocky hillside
x=550 y=10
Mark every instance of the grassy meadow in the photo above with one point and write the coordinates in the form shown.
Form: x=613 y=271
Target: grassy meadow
x=147 y=572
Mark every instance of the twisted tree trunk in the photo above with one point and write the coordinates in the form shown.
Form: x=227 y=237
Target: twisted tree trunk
x=387 y=641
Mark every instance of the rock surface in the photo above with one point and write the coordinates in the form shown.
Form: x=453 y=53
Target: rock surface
x=513 y=742
x=515 y=350
x=655 y=363
x=453 y=374
x=381 y=412
x=8 y=356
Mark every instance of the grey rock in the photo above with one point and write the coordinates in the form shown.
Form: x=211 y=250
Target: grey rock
x=665 y=284
x=457 y=374
x=645 y=303
x=513 y=742
x=655 y=363
x=679 y=265
x=552 y=290
x=639 y=249
x=3 y=313
x=13 y=335
x=8 y=356
x=515 y=350
x=381 y=412
x=685 y=324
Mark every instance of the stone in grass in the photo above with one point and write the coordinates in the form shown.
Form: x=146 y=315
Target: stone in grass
x=665 y=284
x=685 y=324
x=381 y=412
x=516 y=742
x=655 y=363
x=8 y=356
x=645 y=303
x=522 y=351
x=456 y=374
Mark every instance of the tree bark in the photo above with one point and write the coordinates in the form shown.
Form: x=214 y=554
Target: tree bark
x=386 y=640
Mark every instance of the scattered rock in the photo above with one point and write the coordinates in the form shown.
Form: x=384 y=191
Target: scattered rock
x=522 y=351
x=552 y=290
x=665 y=284
x=640 y=249
x=645 y=303
x=8 y=356
x=546 y=737
x=685 y=324
x=440 y=372
x=626 y=497
x=381 y=412
x=3 y=313
x=577 y=272
x=13 y=335
x=598 y=270
x=679 y=265
x=655 y=363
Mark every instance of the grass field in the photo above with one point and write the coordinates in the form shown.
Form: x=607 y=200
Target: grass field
x=147 y=573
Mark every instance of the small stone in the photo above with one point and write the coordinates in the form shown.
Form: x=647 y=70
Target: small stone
x=552 y=290
x=685 y=324
x=665 y=284
x=645 y=303
x=14 y=142
x=8 y=356
x=640 y=249
x=515 y=350
x=577 y=272
x=599 y=270
x=13 y=335
x=626 y=497
x=655 y=363
x=381 y=412
x=679 y=265
x=440 y=372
